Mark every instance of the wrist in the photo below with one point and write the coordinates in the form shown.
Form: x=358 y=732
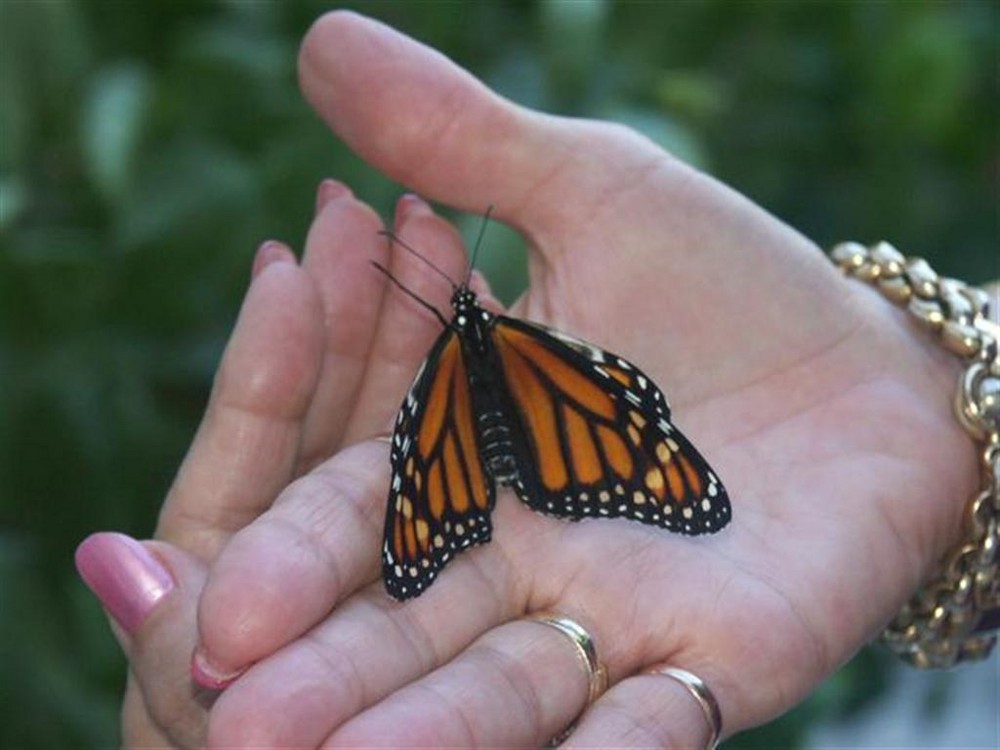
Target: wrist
x=945 y=621
x=954 y=455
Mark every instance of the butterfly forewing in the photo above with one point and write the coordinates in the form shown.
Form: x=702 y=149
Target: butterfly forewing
x=440 y=497
x=600 y=436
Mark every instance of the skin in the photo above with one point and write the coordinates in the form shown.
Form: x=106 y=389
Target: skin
x=826 y=414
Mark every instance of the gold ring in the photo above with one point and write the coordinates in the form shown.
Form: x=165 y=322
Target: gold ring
x=700 y=692
x=597 y=675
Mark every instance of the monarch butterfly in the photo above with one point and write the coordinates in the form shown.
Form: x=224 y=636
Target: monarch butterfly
x=576 y=431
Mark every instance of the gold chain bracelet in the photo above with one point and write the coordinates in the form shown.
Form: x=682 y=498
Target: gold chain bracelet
x=949 y=619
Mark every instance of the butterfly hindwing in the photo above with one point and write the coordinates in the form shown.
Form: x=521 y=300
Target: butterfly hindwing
x=440 y=497
x=600 y=436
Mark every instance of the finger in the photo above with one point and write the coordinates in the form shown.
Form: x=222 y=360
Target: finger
x=406 y=330
x=643 y=711
x=248 y=440
x=458 y=142
x=279 y=576
x=518 y=686
x=137 y=726
x=367 y=648
x=343 y=241
x=325 y=535
x=270 y=251
x=150 y=590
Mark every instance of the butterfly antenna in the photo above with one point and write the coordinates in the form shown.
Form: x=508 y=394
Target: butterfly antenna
x=479 y=241
x=413 y=295
x=398 y=240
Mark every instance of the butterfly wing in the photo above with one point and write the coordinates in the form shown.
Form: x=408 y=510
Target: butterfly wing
x=600 y=436
x=440 y=497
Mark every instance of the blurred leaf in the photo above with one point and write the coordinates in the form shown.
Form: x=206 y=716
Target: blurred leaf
x=924 y=75
x=46 y=47
x=572 y=41
x=13 y=199
x=520 y=75
x=187 y=184
x=664 y=131
x=15 y=107
x=693 y=94
x=241 y=47
x=115 y=113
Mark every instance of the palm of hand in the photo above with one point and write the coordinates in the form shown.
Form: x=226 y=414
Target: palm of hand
x=793 y=404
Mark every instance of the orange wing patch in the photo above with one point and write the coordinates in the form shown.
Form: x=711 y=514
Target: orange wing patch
x=465 y=431
x=692 y=477
x=436 y=408
x=616 y=452
x=435 y=490
x=572 y=382
x=620 y=375
x=583 y=451
x=539 y=410
x=455 y=480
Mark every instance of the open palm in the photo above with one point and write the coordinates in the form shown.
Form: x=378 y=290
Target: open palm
x=816 y=404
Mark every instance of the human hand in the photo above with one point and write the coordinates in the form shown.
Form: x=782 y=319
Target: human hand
x=817 y=417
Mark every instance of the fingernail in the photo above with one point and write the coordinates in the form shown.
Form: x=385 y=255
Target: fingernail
x=407 y=204
x=124 y=576
x=208 y=675
x=329 y=190
x=270 y=251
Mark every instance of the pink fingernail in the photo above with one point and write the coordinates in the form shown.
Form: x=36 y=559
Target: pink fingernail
x=124 y=576
x=329 y=190
x=270 y=251
x=407 y=204
x=208 y=675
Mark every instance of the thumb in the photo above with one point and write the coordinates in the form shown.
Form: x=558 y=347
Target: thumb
x=150 y=590
x=422 y=120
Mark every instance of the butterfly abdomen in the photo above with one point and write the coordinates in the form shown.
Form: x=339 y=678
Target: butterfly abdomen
x=494 y=432
x=497 y=446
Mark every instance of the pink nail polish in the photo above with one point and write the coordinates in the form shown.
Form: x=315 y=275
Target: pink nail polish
x=329 y=190
x=208 y=675
x=124 y=576
x=270 y=251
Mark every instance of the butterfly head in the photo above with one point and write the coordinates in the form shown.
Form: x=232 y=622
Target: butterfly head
x=466 y=307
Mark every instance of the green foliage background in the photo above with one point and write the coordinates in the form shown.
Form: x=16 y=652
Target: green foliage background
x=146 y=148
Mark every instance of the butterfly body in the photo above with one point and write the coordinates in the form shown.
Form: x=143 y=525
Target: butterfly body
x=473 y=326
x=576 y=431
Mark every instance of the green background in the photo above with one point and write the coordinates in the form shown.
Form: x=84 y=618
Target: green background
x=146 y=148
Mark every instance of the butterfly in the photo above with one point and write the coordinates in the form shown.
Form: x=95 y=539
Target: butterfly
x=577 y=432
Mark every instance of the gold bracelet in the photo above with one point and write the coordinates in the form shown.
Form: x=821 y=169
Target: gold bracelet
x=950 y=617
